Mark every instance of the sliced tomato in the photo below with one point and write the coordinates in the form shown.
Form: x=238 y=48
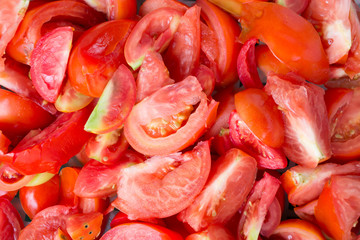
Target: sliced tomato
x=272 y=218
x=4 y=143
x=212 y=232
x=246 y=65
x=297 y=6
x=47 y=222
x=257 y=205
x=115 y=103
x=34 y=199
x=104 y=177
x=11 y=180
x=29 y=31
x=345 y=138
x=292 y=39
x=10 y=220
x=115 y=9
x=267 y=62
x=121 y=218
x=305 y=184
x=60 y=235
x=307 y=131
x=338 y=208
x=58 y=22
x=152 y=76
x=68 y=176
x=19 y=115
x=151 y=5
x=297 y=229
x=207 y=79
x=331 y=20
x=261 y=114
x=221 y=198
x=15 y=77
x=107 y=148
x=84 y=226
x=49 y=60
x=12 y=13
x=153 y=123
x=307 y=211
x=242 y=138
x=97 y=55
x=153 y=32
x=163 y=185
x=93 y=205
x=183 y=53
x=140 y=231
x=221 y=143
x=226 y=31
x=70 y=100
x=52 y=147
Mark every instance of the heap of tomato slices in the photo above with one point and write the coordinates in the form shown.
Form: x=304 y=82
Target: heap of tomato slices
x=219 y=119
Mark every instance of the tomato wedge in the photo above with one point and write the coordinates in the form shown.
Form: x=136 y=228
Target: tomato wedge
x=97 y=55
x=267 y=62
x=49 y=60
x=52 y=147
x=153 y=123
x=292 y=39
x=29 y=31
x=297 y=229
x=10 y=220
x=163 y=185
x=307 y=130
x=84 y=226
x=140 y=231
x=212 y=232
x=115 y=9
x=221 y=198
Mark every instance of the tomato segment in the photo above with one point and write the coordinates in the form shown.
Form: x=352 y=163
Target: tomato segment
x=84 y=226
x=163 y=185
x=296 y=229
x=10 y=220
x=49 y=60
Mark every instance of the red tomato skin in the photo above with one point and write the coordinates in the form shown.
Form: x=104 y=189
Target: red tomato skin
x=267 y=62
x=92 y=205
x=246 y=65
x=307 y=130
x=4 y=143
x=182 y=176
x=261 y=114
x=68 y=176
x=212 y=232
x=221 y=199
x=18 y=115
x=10 y=220
x=29 y=31
x=34 y=199
x=140 y=231
x=52 y=147
x=49 y=58
x=226 y=31
x=242 y=138
x=97 y=55
x=297 y=229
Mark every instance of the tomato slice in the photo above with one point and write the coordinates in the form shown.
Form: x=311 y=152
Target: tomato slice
x=338 y=209
x=151 y=5
x=115 y=103
x=152 y=76
x=242 y=138
x=257 y=205
x=107 y=148
x=52 y=147
x=68 y=176
x=11 y=180
x=261 y=114
x=221 y=198
x=153 y=32
x=183 y=53
x=153 y=123
x=47 y=222
x=92 y=205
x=267 y=62
x=307 y=211
x=97 y=55
x=307 y=131
x=84 y=226
x=206 y=78
x=19 y=115
x=4 y=143
x=226 y=31
x=246 y=65
x=305 y=184
x=29 y=31
x=212 y=232
x=49 y=60
x=163 y=185
x=297 y=6
x=297 y=229
x=140 y=231
x=272 y=218
x=10 y=220
x=331 y=19
x=104 y=177
x=289 y=36
x=11 y=14
x=34 y=199
x=121 y=218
